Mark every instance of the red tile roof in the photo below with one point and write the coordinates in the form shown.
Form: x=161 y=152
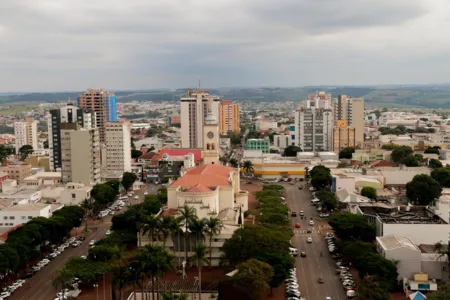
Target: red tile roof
x=148 y=155
x=206 y=175
x=199 y=188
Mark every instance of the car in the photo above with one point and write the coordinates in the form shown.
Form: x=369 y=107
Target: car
x=292 y=285
x=309 y=239
x=92 y=243
x=136 y=197
x=297 y=225
x=320 y=280
x=327 y=298
x=311 y=188
x=81 y=238
x=303 y=254
x=294 y=293
x=108 y=232
x=5 y=295
x=311 y=223
x=27 y=275
x=145 y=193
x=83 y=256
x=309 y=230
x=324 y=215
x=293 y=214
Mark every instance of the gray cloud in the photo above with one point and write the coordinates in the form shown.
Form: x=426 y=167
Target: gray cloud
x=67 y=45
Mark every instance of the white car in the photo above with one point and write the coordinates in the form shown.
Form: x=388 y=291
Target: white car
x=145 y=193
x=136 y=197
x=83 y=256
x=311 y=223
x=92 y=243
x=309 y=240
x=5 y=295
x=108 y=232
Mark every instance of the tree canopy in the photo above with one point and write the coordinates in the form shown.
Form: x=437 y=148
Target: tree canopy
x=135 y=153
x=328 y=199
x=443 y=293
x=24 y=151
x=432 y=150
x=370 y=289
x=346 y=153
x=369 y=192
x=400 y=153
x=128 y=180
x=292 y=150
x=320 y=177
x=103 y=194
x=442 y=175
x=349 y=226
x=435 y=163
x=253 y=277
x=423 y=189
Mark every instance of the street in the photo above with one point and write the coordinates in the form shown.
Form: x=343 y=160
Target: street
x=313 y=266
x=39 y=287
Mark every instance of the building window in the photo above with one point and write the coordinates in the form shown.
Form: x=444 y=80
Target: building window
x=5 y=218
x=30 y=217
x=12 y=218
x=23 y=217
x=73 y=196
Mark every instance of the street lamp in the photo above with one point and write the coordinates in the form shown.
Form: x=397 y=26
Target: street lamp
x=96 y=287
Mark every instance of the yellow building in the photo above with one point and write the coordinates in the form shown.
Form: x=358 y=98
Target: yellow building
x=343 y=136
x=229 y=117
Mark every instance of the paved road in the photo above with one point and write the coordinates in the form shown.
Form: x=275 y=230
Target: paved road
x=313 y=266
x=39 y=287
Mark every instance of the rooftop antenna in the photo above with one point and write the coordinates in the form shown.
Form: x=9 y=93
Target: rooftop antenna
x=199 y=84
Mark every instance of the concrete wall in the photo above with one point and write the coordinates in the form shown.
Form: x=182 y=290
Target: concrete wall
x=408 y=261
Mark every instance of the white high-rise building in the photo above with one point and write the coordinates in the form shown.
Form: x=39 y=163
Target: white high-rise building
x=26 y=134
x=117 y=147
x=194 y=109
x=314 y=128
x=80 y=154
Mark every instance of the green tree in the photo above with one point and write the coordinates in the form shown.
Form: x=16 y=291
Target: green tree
x=152 y=204
x=62 y=280
x=104 y=253
x=399 y=154
x=281 y=263
x=253 y=277
x=213 y=227
x=349 y=226
x=443 y=293
x=352 y=250
x=128 y=180
x=24 y=151
x=3 y=153
x=432 y=150
x=443 y=251
x=187 y=214
x=102 y=194
x=390 y=147
x=346 y=153
x=369 y=289
x=164 y=227
x=115 y=185
x=369 y=192
x=198 y=228
x=434 y=163
x=373 y=264
x=45 y=144
x=248 y=167
x=86 y=269
x=321 y=179
x=200 y=259
x=162 y=195
x=292 y=150
x=442 y=175
x=328 y=199
x=136 y=153
x=86 y=205
x=423 y=189
x=411 y=161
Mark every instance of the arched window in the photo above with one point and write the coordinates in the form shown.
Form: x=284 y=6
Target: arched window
x=207 y=146
x=212 y=146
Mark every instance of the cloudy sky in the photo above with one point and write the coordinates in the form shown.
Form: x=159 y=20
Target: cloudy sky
x=52 y=45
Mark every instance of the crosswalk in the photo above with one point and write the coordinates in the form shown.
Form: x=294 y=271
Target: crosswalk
x=304 y=232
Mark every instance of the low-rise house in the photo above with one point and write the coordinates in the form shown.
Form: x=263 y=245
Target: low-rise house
x=22 y=213
x=75 y=193
x=43 y=179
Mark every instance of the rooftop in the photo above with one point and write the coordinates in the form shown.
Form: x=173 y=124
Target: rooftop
x=44 y=175
x=206 y=175
x=402 y=214
x=392 y=242
x=26 y=207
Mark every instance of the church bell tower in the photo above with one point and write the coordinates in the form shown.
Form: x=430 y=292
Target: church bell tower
x=211 y=137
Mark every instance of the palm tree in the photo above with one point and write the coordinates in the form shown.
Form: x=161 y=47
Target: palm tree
x=187 y=214
x=135 y=277
x=164 y=227
x=175 y=229
x=213 y=227
x=86 y=205
x=200 y=259
x=443 y=251
x=119 y=266
x=62 y=280
x=198 y=227
x=248 y=166
x=151 y=226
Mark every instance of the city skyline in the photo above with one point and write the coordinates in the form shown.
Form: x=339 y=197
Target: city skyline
x=259 y=43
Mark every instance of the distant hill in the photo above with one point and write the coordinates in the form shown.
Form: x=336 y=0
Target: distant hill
x=430 y=96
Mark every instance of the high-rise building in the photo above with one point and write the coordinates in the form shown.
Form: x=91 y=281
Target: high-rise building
x=229 y=117
x=65 y=114
x=319 y=100
x=118 y=147
x=351 y=110
x=193 y=113
x=26 y=134
x=80 y=154
x=313 y=128
x=103 y=103
x=343 y=136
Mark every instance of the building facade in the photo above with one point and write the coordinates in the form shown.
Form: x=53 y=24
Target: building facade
x=258 y=144
x=66 y=114
x=26 y=134
x=282 y=141
x=118 y=147
x=351 y=110
x=314 y=129
x=193 y=113
x=22 y=213
x=103 y=103
x=80 y=151
x=229 y=117
x=17 y=172
x=343 y=136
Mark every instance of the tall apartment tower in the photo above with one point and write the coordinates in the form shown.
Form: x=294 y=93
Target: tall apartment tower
x=351 y=110
x=194 y=110
x=80 y=154
x=65 y=114
x=229 y=117
x=313 y=128
x=103 y=103
x=26 y=134
x=117 y=148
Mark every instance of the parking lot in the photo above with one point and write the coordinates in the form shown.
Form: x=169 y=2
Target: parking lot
x=318 y=263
